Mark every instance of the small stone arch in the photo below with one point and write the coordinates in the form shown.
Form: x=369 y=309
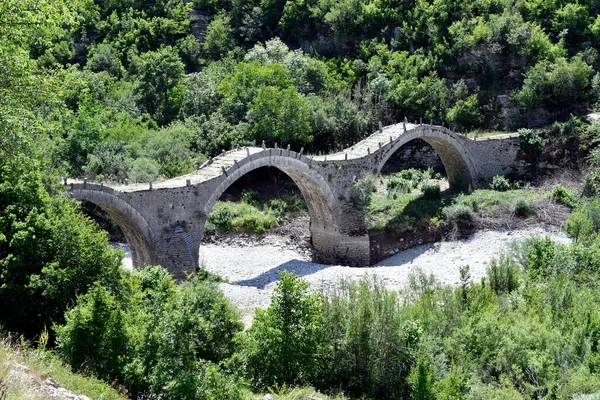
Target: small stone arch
x=136 y=229
x=322 y=204
x=448 y=145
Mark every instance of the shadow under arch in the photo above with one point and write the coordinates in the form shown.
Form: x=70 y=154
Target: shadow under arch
x=454 y=156
x=136 y=229
x=316 y=192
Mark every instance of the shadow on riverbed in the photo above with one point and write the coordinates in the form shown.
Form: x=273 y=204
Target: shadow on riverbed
x=300 y=268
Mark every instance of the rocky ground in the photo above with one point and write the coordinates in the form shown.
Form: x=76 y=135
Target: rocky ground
x=36 y=387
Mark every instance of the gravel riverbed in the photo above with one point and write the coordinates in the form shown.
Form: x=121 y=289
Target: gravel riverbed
x=251 y=268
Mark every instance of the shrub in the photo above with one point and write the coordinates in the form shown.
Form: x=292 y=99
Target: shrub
x=523 y=207
x=154 y=337
x=565 y=196
x=250 y=196
x=461 y=211
x=397 y=185
x=362 y=192
x=222 y=215
x=368 y=357
x=431 y=191
x=500 y=184
x=143 y=170
x=503 y=274
x=531 y=143
x=579 y=225
x=253 y=220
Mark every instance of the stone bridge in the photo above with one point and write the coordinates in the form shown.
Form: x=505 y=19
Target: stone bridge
x=164 y=222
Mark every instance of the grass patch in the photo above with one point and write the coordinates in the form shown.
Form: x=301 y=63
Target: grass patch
x=253 y=214
x=487 y=200
x=402 y=212
x=395 y=208
x=43 y=365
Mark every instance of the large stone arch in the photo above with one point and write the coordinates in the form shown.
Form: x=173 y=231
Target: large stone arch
x=135 y=227
x=455 y=157
x=322 y=204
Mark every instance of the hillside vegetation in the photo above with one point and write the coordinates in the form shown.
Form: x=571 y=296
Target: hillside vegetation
x=143 y=90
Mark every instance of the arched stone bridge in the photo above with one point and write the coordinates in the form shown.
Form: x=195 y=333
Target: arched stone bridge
x=164 y=223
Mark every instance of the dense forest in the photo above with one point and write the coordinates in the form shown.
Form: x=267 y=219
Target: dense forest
x=152 y=88
x=142 y=90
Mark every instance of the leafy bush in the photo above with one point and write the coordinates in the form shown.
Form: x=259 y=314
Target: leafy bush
x=431 y=191
x=250 y=196
x=564 y=195
x=369 y=355
x=461 y=211
x=584 y=220
x=222 y=215
x=523 y=207
x=362 y=192
x=503 y=274
x=531 y=143
x=397 y=185
x=500 y=184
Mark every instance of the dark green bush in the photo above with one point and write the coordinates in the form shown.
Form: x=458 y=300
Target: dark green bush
x=251 y=196
x=362 y=192
x=367 y=355
x=221 y=216
x=565 y=196
x=503 y=274
x=431 y=191
x=397 y=185
x=462 y=212
x=147 y=331
x=523 y=207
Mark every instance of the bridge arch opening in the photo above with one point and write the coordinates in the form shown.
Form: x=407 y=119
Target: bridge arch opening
x=260 y=200
x=135 y=229
x=452 y=156
x=314 y=191
x=416 y=154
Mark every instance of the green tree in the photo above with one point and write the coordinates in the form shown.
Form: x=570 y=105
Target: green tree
x=286 y=341
x=219 y=37
x=279 y=115
x=159 y=75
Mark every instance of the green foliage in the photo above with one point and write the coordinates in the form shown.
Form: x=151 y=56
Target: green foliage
x=158 y=75
x=564 y=195
x=431 y=191
x=362 y=191
x=279 y=116
x=397 y=185
x=503 y=274
x=554 y=84
x=500 y=184
x=584 y=221
x=531 y=143
x=218 y=41
x=49 y=253
x=153 y=336
x=465 y=114
x=367 y=353
x=286 y=341
x=461 y=212
x=523 y=207
x=421 y=381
